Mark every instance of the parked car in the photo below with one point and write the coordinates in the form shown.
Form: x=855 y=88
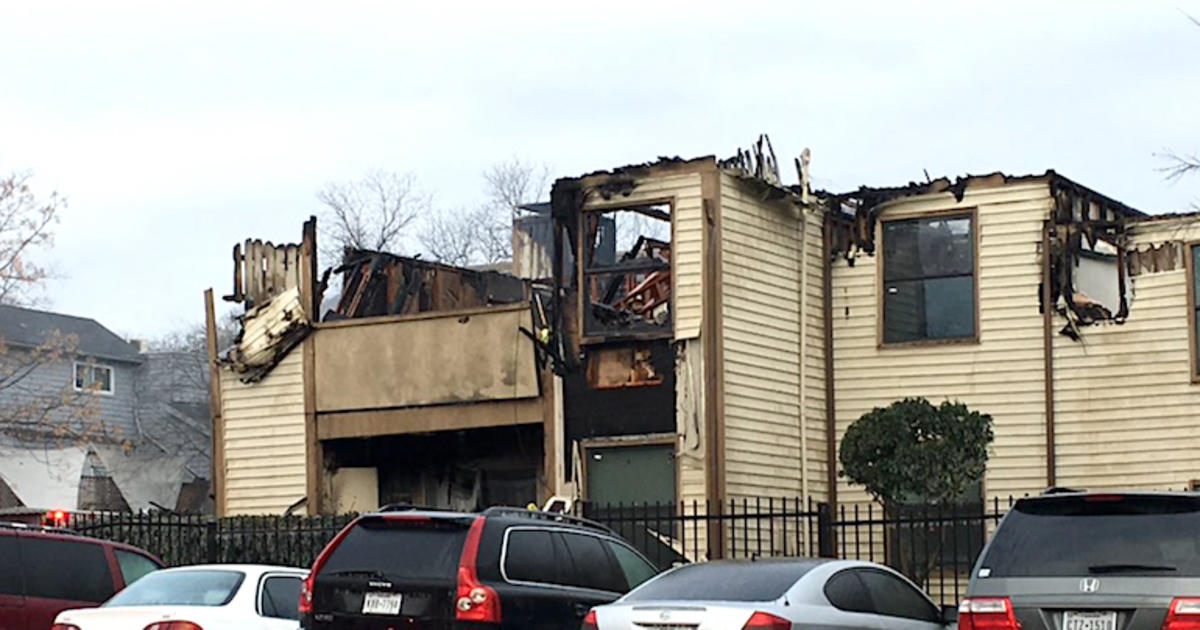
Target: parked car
x=773 y=594
x=1090 y=561
x=502 y=568
x=44 y=571
x=202 y=597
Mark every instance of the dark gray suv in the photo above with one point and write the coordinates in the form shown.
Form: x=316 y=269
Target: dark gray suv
x=1090 y=561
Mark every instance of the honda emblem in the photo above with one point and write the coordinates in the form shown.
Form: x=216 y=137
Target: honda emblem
x=1089 y=585
x=664 y=615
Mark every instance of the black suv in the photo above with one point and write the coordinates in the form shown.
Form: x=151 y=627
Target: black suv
x=502 y=568
x=1090 y=561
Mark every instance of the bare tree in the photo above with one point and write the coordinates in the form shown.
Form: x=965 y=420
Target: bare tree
x=26 y=225
x=370 y=213
x=483 y=235
x=1179 y=165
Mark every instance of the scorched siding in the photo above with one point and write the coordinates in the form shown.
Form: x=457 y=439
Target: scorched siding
x=264 y=439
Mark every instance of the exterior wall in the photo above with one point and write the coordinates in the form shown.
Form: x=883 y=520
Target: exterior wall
x=264 y=433
x=686 y=240
x=1124 y=401
x=53 y=379
x=1002 y=374
x=760 y=337
x=457 y=357
x=814 y=352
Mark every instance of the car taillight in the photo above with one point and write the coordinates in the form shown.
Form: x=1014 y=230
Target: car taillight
x=766 y=621
x=589 y=621
x=1184 y=614
x=306 y=586
x=474 y=601
x=987 y=613
x=173 y=625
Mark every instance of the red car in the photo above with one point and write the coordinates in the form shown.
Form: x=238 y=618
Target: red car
x=46 y=571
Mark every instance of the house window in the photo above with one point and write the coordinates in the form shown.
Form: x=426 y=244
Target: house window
x=929 y=279
x=1194 y=310
x=90 y=377
x=627 y=272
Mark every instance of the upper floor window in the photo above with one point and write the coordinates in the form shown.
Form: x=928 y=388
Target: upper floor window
x=626 y=272
x=90 y=377
x=1193 y=259
x=929 y=283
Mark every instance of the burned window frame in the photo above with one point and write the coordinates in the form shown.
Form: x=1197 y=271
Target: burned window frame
x=971 y=213
x=1193 y=341
x=585 y=269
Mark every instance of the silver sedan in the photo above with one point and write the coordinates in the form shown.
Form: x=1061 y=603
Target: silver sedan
x=774 y=594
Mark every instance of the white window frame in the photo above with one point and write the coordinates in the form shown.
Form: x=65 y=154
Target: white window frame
x=112 y=378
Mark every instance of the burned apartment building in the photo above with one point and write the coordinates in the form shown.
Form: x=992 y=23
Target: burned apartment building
x=421 y=386
x=694 y=332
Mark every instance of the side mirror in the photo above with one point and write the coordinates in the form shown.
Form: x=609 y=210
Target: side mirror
x=950 y=614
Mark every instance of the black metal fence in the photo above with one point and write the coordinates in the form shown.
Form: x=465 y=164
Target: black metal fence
x=935 y=546
x=181 y=540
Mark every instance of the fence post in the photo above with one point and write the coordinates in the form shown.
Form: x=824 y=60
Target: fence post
x=210 y=542
x=826 y=547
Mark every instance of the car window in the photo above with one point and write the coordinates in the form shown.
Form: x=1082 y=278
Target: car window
x=845 y=590
x=762 y=581
x=400 y=549
x=134 y=566
x=280 y=597
x=1067 y=536
x=530 y=557
x=10 y=581
x=593 y=568
x=65 y=569
x=633 y=567
x=181 y=588
x=896 y=598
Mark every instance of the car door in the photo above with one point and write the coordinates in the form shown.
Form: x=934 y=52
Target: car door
x=848 y=595
x=597 y=579
x=278 y=600
x=62 y=573
x=536 y=570
x=901 y=605
x=12 y=587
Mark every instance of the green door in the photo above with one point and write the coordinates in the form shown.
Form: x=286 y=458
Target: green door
x=631 y=475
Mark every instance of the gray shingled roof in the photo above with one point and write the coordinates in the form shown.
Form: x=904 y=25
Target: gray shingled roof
x=28 y=327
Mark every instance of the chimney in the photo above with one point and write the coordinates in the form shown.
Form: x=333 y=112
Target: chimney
x=141 y=345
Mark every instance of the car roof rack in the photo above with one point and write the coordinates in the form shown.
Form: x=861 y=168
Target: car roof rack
x=408 y=507
x=555 y=517
x=1062 y=490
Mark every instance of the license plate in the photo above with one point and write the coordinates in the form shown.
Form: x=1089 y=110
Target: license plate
x=381 y=603
x=1089 y=620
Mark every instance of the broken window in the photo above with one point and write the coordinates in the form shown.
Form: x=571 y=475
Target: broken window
x=627 y=271
x=611 y=368
x=929 y=279
x=1096 y=282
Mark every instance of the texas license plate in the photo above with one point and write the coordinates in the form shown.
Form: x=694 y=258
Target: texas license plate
x=1089 y=620
x=381 y=603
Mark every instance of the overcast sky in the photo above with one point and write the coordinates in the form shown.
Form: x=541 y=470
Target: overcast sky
x=177 y=130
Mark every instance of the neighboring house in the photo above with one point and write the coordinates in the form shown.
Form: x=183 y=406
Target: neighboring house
x=709 y=334
x=80 y=429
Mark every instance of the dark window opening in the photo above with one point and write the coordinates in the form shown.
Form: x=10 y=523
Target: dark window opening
x=929 y=279
x=627 y=271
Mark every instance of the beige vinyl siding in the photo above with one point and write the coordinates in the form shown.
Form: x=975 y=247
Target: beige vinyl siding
x=1125 y=407
x=1001 y=375
x=760 y=284
x=687 y=240
x=814 y=376
x=264 y=439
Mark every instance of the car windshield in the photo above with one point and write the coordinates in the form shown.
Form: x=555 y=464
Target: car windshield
x=181 y=588
x=1097 y=535
x=735 y=582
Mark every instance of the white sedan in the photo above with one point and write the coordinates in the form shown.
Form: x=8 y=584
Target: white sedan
x=204 y=597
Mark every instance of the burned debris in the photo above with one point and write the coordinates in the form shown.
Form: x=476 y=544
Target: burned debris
x=378 y=283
